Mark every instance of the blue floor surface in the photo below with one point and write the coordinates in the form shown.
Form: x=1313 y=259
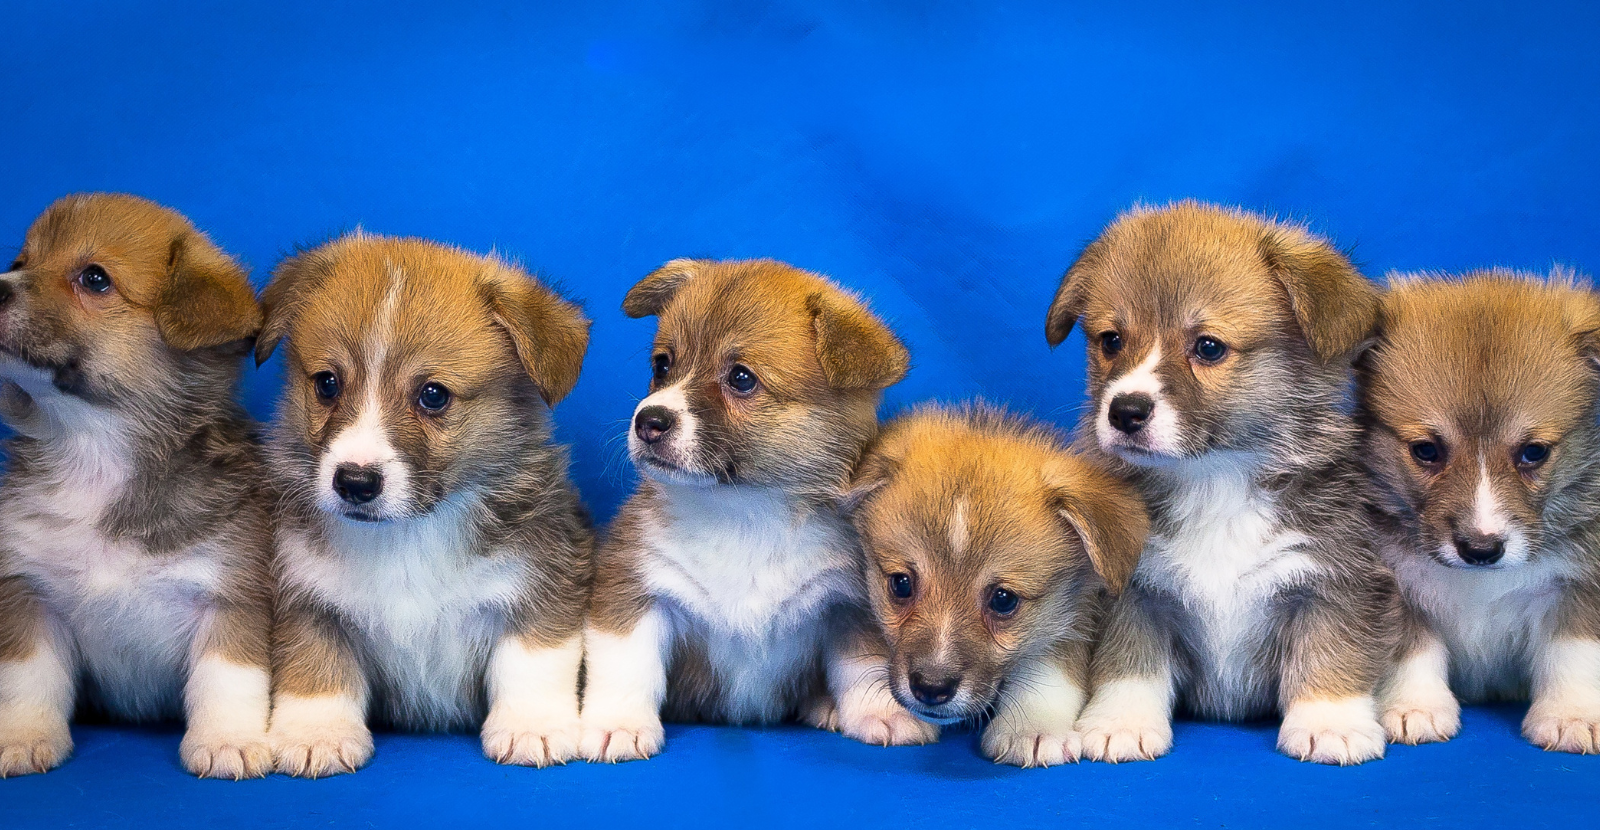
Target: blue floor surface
x=1218 y=776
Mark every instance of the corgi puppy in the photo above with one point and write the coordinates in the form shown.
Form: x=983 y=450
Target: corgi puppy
x=729 y=588
x=134 y=533
x=1219 y=361
x=433 y=559
x=989 y=549
x=1480 y=404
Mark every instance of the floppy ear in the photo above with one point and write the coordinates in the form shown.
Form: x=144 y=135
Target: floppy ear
x=281 y=300
x=1071 y=295
x=1106 y=515
x=208 y=300
x=1336 y=307
x=651 y=294
x=550 y=334
x=876 y=469
x=856 y=349
x=1583 y=316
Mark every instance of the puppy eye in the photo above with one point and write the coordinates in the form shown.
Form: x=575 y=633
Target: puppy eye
x=433 y=398
x=901 y=586
x=326 y=385
x=1427 y=453
x=94 y=279
x=1532 y=454
x=741 y=380
x=660 y=365
x=1003 y=603
x=1110 y=343
x=1210 y=349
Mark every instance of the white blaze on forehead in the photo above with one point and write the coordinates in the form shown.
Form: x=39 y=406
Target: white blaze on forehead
x=1161 y=431
x=958 y=527
x=1487 y=517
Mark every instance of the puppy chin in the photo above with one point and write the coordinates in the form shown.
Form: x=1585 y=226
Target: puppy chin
x=960 y=709
x=663 y=467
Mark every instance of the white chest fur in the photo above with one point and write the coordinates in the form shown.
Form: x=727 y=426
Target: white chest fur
x=750 y=578
x=424 y=605
x=131 y=616
x=1224 y=558
x=1492 y=621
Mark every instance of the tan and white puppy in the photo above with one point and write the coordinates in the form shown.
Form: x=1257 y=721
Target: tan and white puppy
x=1219 y=361
x=134 y=532
x=1480 y=404
x=730 y=588
x=990 y=552
x=433 y=559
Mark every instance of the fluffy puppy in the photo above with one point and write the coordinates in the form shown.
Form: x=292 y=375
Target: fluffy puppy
x=433 y=559
x=729 y=588
x=133 y=532
x=1219 y=359
x=989 y=552
x=1480 y=404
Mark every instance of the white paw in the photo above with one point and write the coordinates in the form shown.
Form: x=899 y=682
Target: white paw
x=881 y=721
x=1031 y=745
x=530 y=742
x=1125 y=736
x=1341 y=732
x=29 y=748
x=625 y=738
x=1421 y=722
x=221 y=755
x=318 y=750
x=1557 y=730
x=822 y=714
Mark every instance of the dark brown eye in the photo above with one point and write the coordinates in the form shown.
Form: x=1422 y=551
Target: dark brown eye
x=1210 y=349
x=1110 y=343
x=660 y=366
x=94 y=279
x=1427 y=453
x=1003 y=602
x=1532 y=454
x=741 y=380
x=901 y=586
x=326 y=385
x=433 y=398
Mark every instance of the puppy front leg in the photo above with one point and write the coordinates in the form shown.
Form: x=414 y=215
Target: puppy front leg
x=36 y=685
x=533 y=700
x=1333 y=656
x=228 y=697
x=1129 y=715
x=625 y=684
x=1418 y=706
x=857 y=666
x=319 y=696
x=1035 y=721
x=1565 y=715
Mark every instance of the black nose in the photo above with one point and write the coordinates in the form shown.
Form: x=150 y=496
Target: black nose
x=1129 y=412
x=1481 y=550
x=935 y=691
x=653 y=423
x=357 y=485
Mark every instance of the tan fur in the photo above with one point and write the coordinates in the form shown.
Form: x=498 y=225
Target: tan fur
x=965 y=502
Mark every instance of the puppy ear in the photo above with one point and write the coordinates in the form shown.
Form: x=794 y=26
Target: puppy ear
x=291 y=284
x=1106 y=515
x=208 y=300
x=856 y=349
x=549 y=333
x=1583 y=315
x=1336 y=307
x=1071 y=295
x=651 y=294
x=874 y=471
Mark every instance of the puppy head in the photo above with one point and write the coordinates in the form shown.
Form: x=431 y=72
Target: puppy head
x=416 y=372
x=121 y=302
x=982 y=537
x=1209 y=329
x=1480 y=397
x=762 y=374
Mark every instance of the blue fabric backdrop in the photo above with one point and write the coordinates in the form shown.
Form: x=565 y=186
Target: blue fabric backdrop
x=947 y=160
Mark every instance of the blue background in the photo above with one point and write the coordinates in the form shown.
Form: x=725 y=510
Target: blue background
x=947 y=160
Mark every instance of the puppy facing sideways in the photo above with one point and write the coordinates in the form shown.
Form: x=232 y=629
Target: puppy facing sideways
x=729 y=588
x=1219 y=359
x=134 y=534
x=433 y=560
x=1480 y=403
x=989 y=551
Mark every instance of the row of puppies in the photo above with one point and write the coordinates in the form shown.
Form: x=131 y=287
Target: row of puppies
x=432 y=565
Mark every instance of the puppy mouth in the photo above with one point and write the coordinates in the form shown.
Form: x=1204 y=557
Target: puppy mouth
x=662 y=470
x=363 y=517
